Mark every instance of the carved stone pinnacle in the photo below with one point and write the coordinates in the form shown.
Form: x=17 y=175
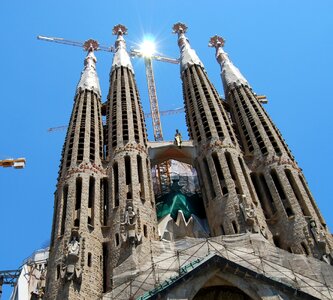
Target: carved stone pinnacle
x=179 y=28
x=216 y=41
x=90 y=45
x=119 y=29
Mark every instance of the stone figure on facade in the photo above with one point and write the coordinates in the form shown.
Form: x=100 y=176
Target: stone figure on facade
x=71 y=269
x=128 y=226
x=178 y=139
x=249 y=214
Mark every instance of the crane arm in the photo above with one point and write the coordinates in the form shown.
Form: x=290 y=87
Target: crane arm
x=72 y=43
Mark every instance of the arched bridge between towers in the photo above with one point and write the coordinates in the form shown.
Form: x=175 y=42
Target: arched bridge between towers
x=162 y=151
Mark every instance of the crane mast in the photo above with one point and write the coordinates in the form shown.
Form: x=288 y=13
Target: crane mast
x=163 y=172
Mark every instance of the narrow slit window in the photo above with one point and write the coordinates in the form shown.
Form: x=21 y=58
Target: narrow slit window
x=128 y=170
x=89 y=259
x=281 y=193
x=140 y=177
x=233 y=173
x=91 y=200
x=297 y=193
x=64 y=209
x=219 y=173
x=105 y=200
x=209 y=178
x=78 y=193
x=116 y=184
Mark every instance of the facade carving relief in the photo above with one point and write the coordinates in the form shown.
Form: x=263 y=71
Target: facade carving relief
x=71 y=269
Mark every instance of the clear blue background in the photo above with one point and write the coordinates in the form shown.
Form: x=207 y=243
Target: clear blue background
x=284 y=49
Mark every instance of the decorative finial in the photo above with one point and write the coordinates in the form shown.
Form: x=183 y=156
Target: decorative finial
x=90 y=45
x=119 y=30
x=229 y=73
x=216 y=41
x=121 y=57
x=179 y=28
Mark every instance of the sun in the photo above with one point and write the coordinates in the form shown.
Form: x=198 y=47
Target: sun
x=148 y=48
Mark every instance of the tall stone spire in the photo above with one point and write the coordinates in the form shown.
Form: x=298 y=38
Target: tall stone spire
x=132 y=221
x=76 y=241
x=89 y=79
x=121 y=57
x=229 y=72
x=188 y=57
x=290 y=210
x=227 y=190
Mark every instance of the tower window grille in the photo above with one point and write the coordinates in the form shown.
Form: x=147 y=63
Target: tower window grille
x=100 y=133
x=72 y=134
x=80 y=150
x=254 y=127
x=124 y=106
x=92 y=128
x=134 y=111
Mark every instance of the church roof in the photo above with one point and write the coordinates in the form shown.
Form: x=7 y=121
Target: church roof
x=245 y=260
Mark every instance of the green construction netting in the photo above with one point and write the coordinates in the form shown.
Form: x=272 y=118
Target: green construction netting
x=174 y=201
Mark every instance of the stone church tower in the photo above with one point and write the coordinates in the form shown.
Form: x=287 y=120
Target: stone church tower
x=76 y=241
x=248 y=228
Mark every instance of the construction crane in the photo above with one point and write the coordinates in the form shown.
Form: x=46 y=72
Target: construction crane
x=148 y=54
x=147 y=115
x=18 y=163
x=8 y=277
x=163 y=168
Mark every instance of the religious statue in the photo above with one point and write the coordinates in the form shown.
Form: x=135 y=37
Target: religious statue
x=71 y=268
x=249 y=214
x=178 y=139
x=128 y=226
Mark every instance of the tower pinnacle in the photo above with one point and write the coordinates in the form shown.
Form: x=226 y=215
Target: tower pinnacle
x=89 y=79
x=230 y=74
x=121 y=57
x=188 y=55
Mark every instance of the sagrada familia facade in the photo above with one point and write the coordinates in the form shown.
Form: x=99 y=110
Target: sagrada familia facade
x=251 y=230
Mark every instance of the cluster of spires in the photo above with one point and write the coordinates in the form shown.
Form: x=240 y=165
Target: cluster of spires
x=89 y=79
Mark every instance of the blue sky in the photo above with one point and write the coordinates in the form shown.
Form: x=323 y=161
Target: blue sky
x=283 y=48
